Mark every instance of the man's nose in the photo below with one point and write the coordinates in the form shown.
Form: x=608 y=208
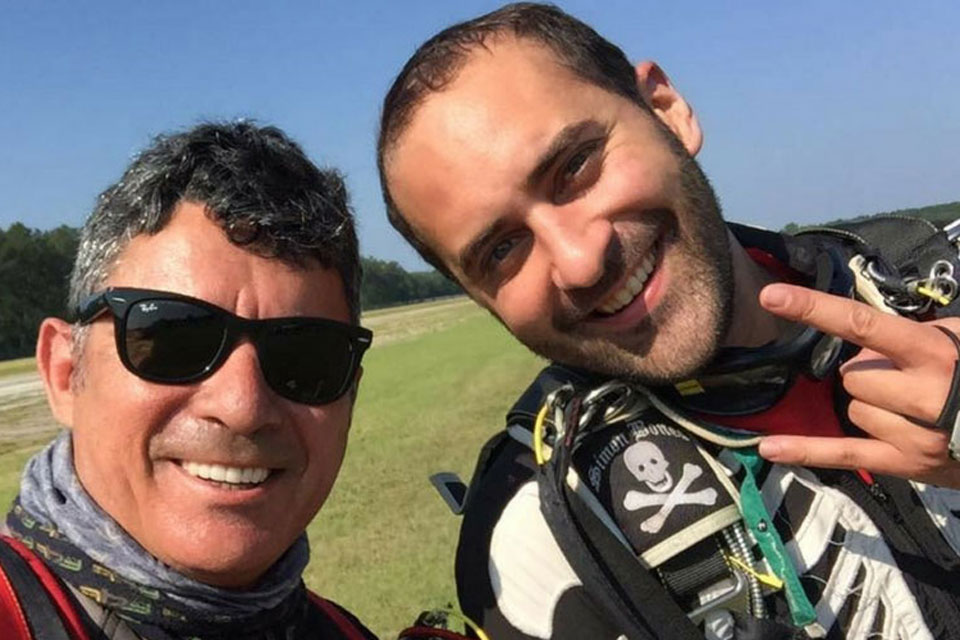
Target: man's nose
x=237 y=396
x=576 y=248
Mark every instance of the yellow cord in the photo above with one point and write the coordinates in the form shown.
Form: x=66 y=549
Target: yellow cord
x=768 y=579
x=934 y=295
x=470 y=623
x=538 y=436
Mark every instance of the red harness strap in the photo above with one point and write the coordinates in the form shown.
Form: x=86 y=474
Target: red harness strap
x=54 y=588
x=348 y=629
x=13 y=623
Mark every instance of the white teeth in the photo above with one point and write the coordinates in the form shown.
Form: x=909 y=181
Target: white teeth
x=632 y=287
x=230 y=475
x=647 y=264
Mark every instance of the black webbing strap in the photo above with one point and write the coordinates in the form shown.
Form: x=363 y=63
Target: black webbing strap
x=949 y=419
x=602 y=591
x=696 y=568
x=489 y=451
x=632 y=597
x=646 y=594
x=41 y=612
x=747 y=627
x=948 y=414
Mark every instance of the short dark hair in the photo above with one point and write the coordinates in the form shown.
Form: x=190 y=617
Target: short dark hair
x=438 y=61
x=256 y=184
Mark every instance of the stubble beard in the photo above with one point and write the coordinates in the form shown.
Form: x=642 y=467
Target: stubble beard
x=684 y=331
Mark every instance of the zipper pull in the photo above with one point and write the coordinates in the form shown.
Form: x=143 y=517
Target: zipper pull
x=877 y=492
x=872 y=485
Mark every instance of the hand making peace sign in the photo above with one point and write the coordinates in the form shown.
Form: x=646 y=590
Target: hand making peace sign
x=899 y=383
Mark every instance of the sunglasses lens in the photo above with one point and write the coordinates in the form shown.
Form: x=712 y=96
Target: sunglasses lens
x=308 y=363
x=172 y=340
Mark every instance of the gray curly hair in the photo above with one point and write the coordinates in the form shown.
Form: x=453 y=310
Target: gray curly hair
x=257 y=185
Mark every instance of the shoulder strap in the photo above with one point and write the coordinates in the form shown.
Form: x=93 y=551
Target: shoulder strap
x=347 y=628
x=47 y=609
x=522 y=413
x=631 y=596
x=632 y=599
x=13 y=621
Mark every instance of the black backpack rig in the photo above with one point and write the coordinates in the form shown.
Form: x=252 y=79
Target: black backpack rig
x=897 y=264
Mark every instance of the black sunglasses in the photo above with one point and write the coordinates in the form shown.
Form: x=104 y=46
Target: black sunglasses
x=175 y=339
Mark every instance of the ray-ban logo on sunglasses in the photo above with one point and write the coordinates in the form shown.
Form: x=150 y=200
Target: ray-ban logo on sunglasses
x=148 y=307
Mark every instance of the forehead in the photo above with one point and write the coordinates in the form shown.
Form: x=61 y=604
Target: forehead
x=486 y=130
x=504 y=89
x=491 y=88
x=192 y=255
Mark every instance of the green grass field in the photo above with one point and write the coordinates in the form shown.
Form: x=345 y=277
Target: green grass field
x=436 y=385
x=12 y=367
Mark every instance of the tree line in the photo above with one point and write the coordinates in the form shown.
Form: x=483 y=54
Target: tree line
x=35 y=269
x=939 y=214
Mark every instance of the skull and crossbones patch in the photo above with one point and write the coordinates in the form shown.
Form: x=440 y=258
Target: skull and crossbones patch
x=647 y=463
x=655 y=481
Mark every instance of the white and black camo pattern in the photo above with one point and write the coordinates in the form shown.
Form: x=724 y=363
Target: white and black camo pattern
x=846 y=567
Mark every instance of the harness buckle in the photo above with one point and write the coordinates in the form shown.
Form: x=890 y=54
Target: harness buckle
x=730 y=593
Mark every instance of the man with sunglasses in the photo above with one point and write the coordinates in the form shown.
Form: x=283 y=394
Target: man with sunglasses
x=207 y=386
x=523 y=155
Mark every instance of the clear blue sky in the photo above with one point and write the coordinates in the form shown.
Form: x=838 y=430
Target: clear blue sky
x=812 y=110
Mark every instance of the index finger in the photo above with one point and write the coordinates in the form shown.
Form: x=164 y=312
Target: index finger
x=902 y=340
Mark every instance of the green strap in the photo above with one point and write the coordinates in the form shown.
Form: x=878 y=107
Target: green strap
x=760 y=524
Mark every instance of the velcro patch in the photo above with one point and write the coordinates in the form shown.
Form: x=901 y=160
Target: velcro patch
x=665 y=493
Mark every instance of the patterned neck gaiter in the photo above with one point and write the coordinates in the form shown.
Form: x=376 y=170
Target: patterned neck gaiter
x=56 y=517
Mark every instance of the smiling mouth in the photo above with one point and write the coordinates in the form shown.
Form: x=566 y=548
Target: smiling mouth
x=633 y=286
x=227 y=477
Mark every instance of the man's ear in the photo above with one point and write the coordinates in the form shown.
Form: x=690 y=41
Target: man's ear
x=669 y=105
x=56 y=365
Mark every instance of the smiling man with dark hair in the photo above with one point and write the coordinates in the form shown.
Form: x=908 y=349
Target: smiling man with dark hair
x=207 y=386
x=523 y=155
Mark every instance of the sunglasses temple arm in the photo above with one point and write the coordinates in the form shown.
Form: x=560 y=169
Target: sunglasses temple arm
x=91 y=308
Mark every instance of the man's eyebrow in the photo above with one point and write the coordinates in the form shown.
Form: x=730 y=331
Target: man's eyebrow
x=470 y=254
x=566 y=136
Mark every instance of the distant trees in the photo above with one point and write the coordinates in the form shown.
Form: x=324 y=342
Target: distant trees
x=938 y=214
x=35 y=271
x=387 y=283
